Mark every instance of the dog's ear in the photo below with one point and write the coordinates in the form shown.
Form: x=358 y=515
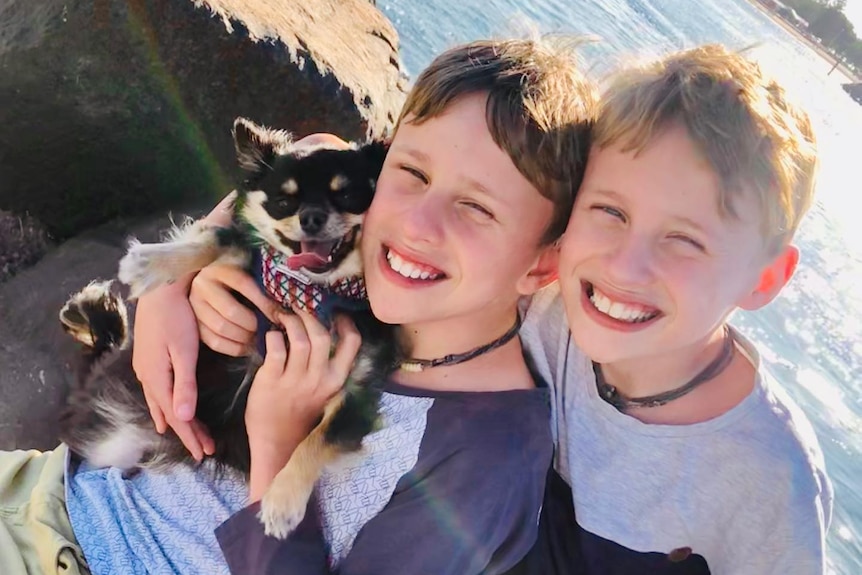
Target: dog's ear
x=374 y=153
x=256 y=146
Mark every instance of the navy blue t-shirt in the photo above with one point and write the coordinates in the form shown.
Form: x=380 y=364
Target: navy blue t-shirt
x=452 y=484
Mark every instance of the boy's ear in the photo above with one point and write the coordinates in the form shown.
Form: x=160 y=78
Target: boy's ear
x=773 y=278
x=543 y=271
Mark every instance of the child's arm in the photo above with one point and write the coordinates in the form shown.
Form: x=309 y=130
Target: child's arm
x=165 y=359
x=290 y=390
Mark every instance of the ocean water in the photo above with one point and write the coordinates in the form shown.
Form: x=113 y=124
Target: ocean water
x=811 y=336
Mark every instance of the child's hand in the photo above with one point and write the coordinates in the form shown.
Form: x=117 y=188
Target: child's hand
x=291 y=389
x=226 y=325
x=164 y=358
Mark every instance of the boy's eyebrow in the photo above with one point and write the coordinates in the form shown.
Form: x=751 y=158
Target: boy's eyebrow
x=478 y=186
x=417 y=154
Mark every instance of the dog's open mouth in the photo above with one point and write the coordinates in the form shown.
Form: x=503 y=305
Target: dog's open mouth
x=321 y=256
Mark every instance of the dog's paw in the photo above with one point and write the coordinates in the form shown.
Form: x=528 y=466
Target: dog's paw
x=143 y=269
x=283 y=506
x=95 y=317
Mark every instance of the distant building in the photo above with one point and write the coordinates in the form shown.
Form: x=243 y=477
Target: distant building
x=791 y=16
x=786 y=12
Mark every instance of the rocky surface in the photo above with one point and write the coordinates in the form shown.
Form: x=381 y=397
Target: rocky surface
x=119 y=107
x=22 y=243
x=110 y=109
x=35 y=353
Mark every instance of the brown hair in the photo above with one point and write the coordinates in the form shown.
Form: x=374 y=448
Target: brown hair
x=540 y=109
x=741 y=121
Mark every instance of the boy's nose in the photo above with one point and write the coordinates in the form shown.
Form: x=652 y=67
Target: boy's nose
x=423 y=221
x=630 y=262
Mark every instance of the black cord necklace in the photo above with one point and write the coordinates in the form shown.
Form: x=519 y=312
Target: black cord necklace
x=416 y=365
x=611 y=395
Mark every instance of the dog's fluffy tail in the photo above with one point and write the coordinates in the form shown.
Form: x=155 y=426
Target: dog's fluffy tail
x=97 y=318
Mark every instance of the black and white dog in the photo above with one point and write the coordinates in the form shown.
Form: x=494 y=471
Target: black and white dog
x=297 y=225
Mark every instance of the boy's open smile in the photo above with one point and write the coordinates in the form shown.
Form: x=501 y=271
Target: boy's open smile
x=614 y=312
x=414 y=271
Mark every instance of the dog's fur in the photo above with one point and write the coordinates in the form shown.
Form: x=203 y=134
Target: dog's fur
x=294 y=197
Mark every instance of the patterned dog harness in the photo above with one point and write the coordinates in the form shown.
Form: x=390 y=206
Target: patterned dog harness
x=292 y=288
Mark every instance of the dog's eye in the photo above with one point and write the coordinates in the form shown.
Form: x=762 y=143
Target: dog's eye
x=282 y=206
x=354 y=199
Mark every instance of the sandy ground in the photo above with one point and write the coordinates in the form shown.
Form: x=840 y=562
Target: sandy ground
x=844 y=73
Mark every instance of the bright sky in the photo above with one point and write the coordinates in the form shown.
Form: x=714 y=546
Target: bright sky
x=853 y=11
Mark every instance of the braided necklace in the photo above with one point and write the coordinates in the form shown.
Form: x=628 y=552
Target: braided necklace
x=417 y=365
x=610 y=394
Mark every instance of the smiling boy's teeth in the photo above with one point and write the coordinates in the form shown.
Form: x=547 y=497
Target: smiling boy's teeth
x=618 y=310
x=408 y=269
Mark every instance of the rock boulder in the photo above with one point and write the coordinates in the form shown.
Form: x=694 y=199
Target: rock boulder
x=119 y=107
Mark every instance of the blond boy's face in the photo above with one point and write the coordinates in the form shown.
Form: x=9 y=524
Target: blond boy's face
x=648 y=265
x=454 y=226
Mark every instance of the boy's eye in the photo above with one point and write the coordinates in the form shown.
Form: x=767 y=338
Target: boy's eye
x=418 y=174
x=688 y=241
x=478 y=209
x=609 y=210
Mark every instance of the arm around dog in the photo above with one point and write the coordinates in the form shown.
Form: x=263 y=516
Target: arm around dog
x=165 y=360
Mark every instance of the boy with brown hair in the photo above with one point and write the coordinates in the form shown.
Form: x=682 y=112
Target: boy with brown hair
x=676 y=452
x=476 y=187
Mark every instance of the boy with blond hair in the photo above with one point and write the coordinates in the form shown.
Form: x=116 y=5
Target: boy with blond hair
x=676 y=452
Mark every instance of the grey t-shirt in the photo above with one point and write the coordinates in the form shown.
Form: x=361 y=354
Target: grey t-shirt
x=743 y=493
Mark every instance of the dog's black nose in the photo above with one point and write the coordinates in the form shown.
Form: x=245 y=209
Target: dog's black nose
x=312 y=220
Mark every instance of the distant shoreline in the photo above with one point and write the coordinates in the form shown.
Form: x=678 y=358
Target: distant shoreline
x=846 y=74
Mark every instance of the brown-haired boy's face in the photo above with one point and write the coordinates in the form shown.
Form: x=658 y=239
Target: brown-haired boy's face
x=648 y=266
x=454 y=226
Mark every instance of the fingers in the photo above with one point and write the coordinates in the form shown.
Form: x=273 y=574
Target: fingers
x=320 y=345
x=221 y=325
x=276 y=353
x=203 y=436
x=212 y=287
x=300 y=347
x=221 y=345
x=346 y=349
x=156 y=413
x=156 y=382
x=239 y=281
x=185 y=385
x=185 y=430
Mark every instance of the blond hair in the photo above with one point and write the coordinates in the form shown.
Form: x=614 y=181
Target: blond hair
x=741 y=121
x=540 y=109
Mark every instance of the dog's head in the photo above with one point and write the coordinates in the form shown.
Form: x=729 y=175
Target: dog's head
x=307 y=201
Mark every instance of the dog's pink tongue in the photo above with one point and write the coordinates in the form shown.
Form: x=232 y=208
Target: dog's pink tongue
x=314 y=255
